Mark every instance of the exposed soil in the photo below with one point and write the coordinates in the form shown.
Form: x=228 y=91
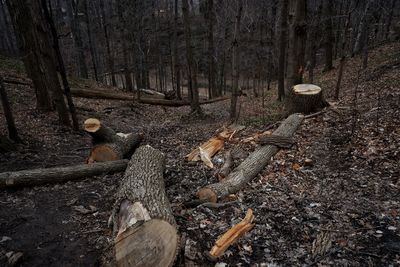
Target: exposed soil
x=343 y=210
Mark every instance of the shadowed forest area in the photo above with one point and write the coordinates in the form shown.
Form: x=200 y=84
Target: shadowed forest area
x=200 y=133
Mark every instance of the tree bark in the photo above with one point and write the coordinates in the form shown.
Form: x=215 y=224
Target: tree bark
x=195 y=106
x=297 y=41
x=72 y=10
x=34 y=43
x=142 y=217
x=235 y=62
x=12 y=130
x=328 y=31
x=251 y=166
x=110 y=58
x=61 y=66
x=92 y=46
x=176 y=56
x=282 y=49
x=59 y=174
x=211 y=63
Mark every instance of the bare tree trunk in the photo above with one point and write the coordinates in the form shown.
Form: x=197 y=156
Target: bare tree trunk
x=61 y=67
x=176 y=56
x=297 y=41
x=343 y=51
x=313 y=46
x=328 y=31
x=359 y=44
x=92 y=45
x=235 y=62
x=282 y=49
x=122 y=24
x=195 y=107
x=12 y=130
x=390 y=18
x=72 y=10
x=34 y=43
x=211 y=63
x=110 y=57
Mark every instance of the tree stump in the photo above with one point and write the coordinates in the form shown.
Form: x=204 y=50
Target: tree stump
x=306 y=98
x=142 y=216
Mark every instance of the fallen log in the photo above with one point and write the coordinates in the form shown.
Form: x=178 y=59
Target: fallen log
x=142 y=216
x=99 y=132
x=58 y=174
x=122 y=147
x=251 y=166
x=113 y=95
x=101 y=94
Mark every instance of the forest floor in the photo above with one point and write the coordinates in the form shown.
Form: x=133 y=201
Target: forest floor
x=343 y=210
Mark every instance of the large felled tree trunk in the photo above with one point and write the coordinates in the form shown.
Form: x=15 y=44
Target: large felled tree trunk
x=142 y=216
x=38 y=57
x=251 y=166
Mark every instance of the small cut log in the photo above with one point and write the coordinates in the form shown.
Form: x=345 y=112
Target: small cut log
x=145 y=228
x=59 y=174
x=306 y=98
x=99 y=132
x=122 y=147
x=251 y=166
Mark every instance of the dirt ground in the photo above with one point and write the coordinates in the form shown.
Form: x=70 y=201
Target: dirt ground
x=343 y=210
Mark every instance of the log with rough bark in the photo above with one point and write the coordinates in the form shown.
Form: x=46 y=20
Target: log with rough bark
x=306 y=98
x=59 y=174
x=276 y=140
x=145 y=228
x=122 y=147
x=251 y=166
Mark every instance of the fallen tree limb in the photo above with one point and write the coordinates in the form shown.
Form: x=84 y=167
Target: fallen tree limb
x=142 y=216
x=251 y=166
x=58 y=174
x=232 y=235
x=178 y=103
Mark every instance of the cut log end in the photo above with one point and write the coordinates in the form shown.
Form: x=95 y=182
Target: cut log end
x=307 y=89
x=91 y=125
x=102 y=153
x=154 y=243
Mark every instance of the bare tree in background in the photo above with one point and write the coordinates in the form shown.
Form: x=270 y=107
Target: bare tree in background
x=282 y=48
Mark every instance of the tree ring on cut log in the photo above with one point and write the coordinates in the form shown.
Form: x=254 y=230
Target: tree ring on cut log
x=152 y=244
x=306 y=98
x=91 y=125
